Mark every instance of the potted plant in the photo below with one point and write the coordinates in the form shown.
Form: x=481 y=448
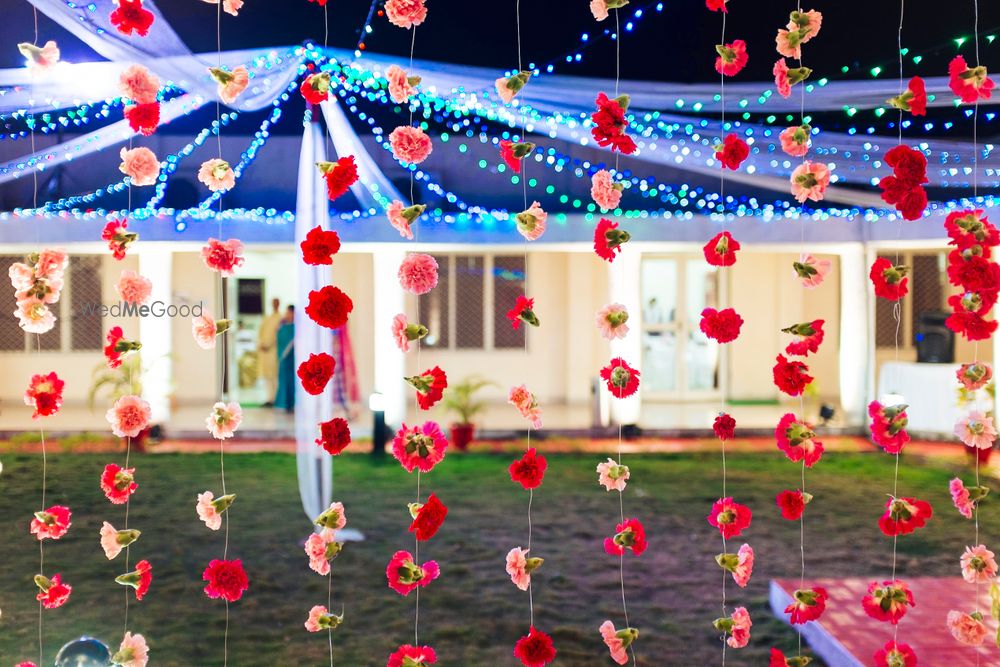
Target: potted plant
x=118 y=382
x=461 y=400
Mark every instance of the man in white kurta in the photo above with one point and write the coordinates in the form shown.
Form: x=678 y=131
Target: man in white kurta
x=267 y=338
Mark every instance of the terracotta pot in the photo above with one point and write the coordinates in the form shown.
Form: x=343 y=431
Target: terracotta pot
x=462 y=435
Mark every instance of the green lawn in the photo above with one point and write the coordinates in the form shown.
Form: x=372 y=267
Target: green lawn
x=472 y=615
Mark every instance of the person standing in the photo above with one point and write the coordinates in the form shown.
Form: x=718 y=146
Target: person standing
x=285 y=345
x=267 y=354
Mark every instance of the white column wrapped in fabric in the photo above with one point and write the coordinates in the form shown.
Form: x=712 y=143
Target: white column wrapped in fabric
x=857 y=335
x=624 y=287
x=315 y=468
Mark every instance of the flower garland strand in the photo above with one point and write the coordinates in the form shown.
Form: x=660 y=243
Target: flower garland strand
x=724 y=327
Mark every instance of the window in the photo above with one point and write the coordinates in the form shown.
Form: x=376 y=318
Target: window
x=468 y=308
x=74 y=330
x=928 y=293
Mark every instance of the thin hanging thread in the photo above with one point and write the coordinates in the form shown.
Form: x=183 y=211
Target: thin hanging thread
x=722 y=211
x=802 y=409
x=975 y=195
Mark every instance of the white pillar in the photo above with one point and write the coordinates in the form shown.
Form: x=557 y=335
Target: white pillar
x=156 y=263
x=857 y=334
x=390 y=365
x=624 y=278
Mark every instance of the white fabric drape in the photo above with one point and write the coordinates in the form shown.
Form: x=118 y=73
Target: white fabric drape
x=315 y=469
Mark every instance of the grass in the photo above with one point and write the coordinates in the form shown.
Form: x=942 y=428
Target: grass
x=472 y=615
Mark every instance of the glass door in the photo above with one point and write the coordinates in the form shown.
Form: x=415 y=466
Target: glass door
x=679 y=362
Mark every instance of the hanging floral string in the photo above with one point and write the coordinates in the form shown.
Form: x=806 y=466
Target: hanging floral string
x=973 y=270
x=723 y=326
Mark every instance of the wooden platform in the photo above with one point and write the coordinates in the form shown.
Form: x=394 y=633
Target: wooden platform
x=847 y=637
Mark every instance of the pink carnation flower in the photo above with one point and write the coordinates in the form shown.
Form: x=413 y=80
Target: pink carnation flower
x=129 y=416
x=612 y=475
x=812 y=270
x=320 y=619
x=400 y=87
x=795 y=140
x=231 y=84
x=217 y=175
x=599 y=8
x=133 y=652
x=788 y=44
x=744 y=568
x=781 y=81
x=531 y=222
x=979 y=565
x=961 y=498
x=405 y=575
x=224 y=420
x=810 y=181
x=133 y=288
x=395 y=214
x=140 y=165
x=420 y=447
x=967 y=628
x=223 y=256
x=517 y=567
x=205 y=329
x=34 y=316
x=139 y=85
x=527 y=405
x=399 y=325
x=40 y=58
x=109 y=541
x=976 y=430
x=231 y=7
x=405 y=13
x=51 y=264
x=316 y=549
x=603 y=190
x=615 y=644
x=739 y=636
x=207 y=512
x=418 y=273
x=611 y=321
x=410 y=144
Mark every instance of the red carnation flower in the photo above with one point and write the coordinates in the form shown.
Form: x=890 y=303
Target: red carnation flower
x=724 y=426
x=778 y=659
x=792 y=503
x=329 y=307
x=971 y=228
x=732 y=57
x=894 y=654
x=913 y=99
x=888 y=426
x=53 y=593
x=320 y=246
x=339 y=175
x=722 y=325
x=523 y=311
x=535 y=649
x=529 y=470
x=316 y=87
x=430 y=387
x=143 y=118
x=790 y=377
x=631 y=535
x=721 y=250
x=44 y=394
x=973 y=272
x=730 y=517
x=717 y=5
x=904 y=188
x=969 y=83
x=797 y=440
x=890 y=281
x=610 y=124
x=809 y=605
x=810 y=337
x=732 y=152
x=226 y=579
x=140 y=579
x=315 y=372
x=51 y=524
x=130 y=16
x=608 y=239
x=406 y=655
x=904 y=515
x=513 y=153
x=223 y=256
x=428 y=519
x=117 y=237
x=118 y=347
x=622 y=380
x=334 y=435
x=888 y=601
x=908 y=165
x=971 y=326
x=118 y=483
x=404 y=575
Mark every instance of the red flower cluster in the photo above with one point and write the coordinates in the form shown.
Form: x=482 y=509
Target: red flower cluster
x=529 y=470
x=791 y=377
x=732 y=152
x=522 y=311
x=334 y=435
x=118 y=483
x=631 y=535
x=721 y=325
x=535 y=649
x=890 y=281
x=969 y=83
x=226 y=579
x=320 y=246
x=118 y=239
x=430 y=387
x=730 y=517
x=130 y=16
x=809 y=605
x=52 y=593
x=721 y=250
x=316 y=87
x=792 y=503
x=810 y=337
x=428 y=518
x=610 y=124
x=52 y=523
x=622 y=380
x=904 y=189
x=724 y=426
x=732 y=57
x=44 y=394
x=888 y=601
x=315 y=372
x=888 y=426
x=143 y=118
x=608 y=239
x=329 y=307
x=971 y=268
x=339 y=175
x=904 y=515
